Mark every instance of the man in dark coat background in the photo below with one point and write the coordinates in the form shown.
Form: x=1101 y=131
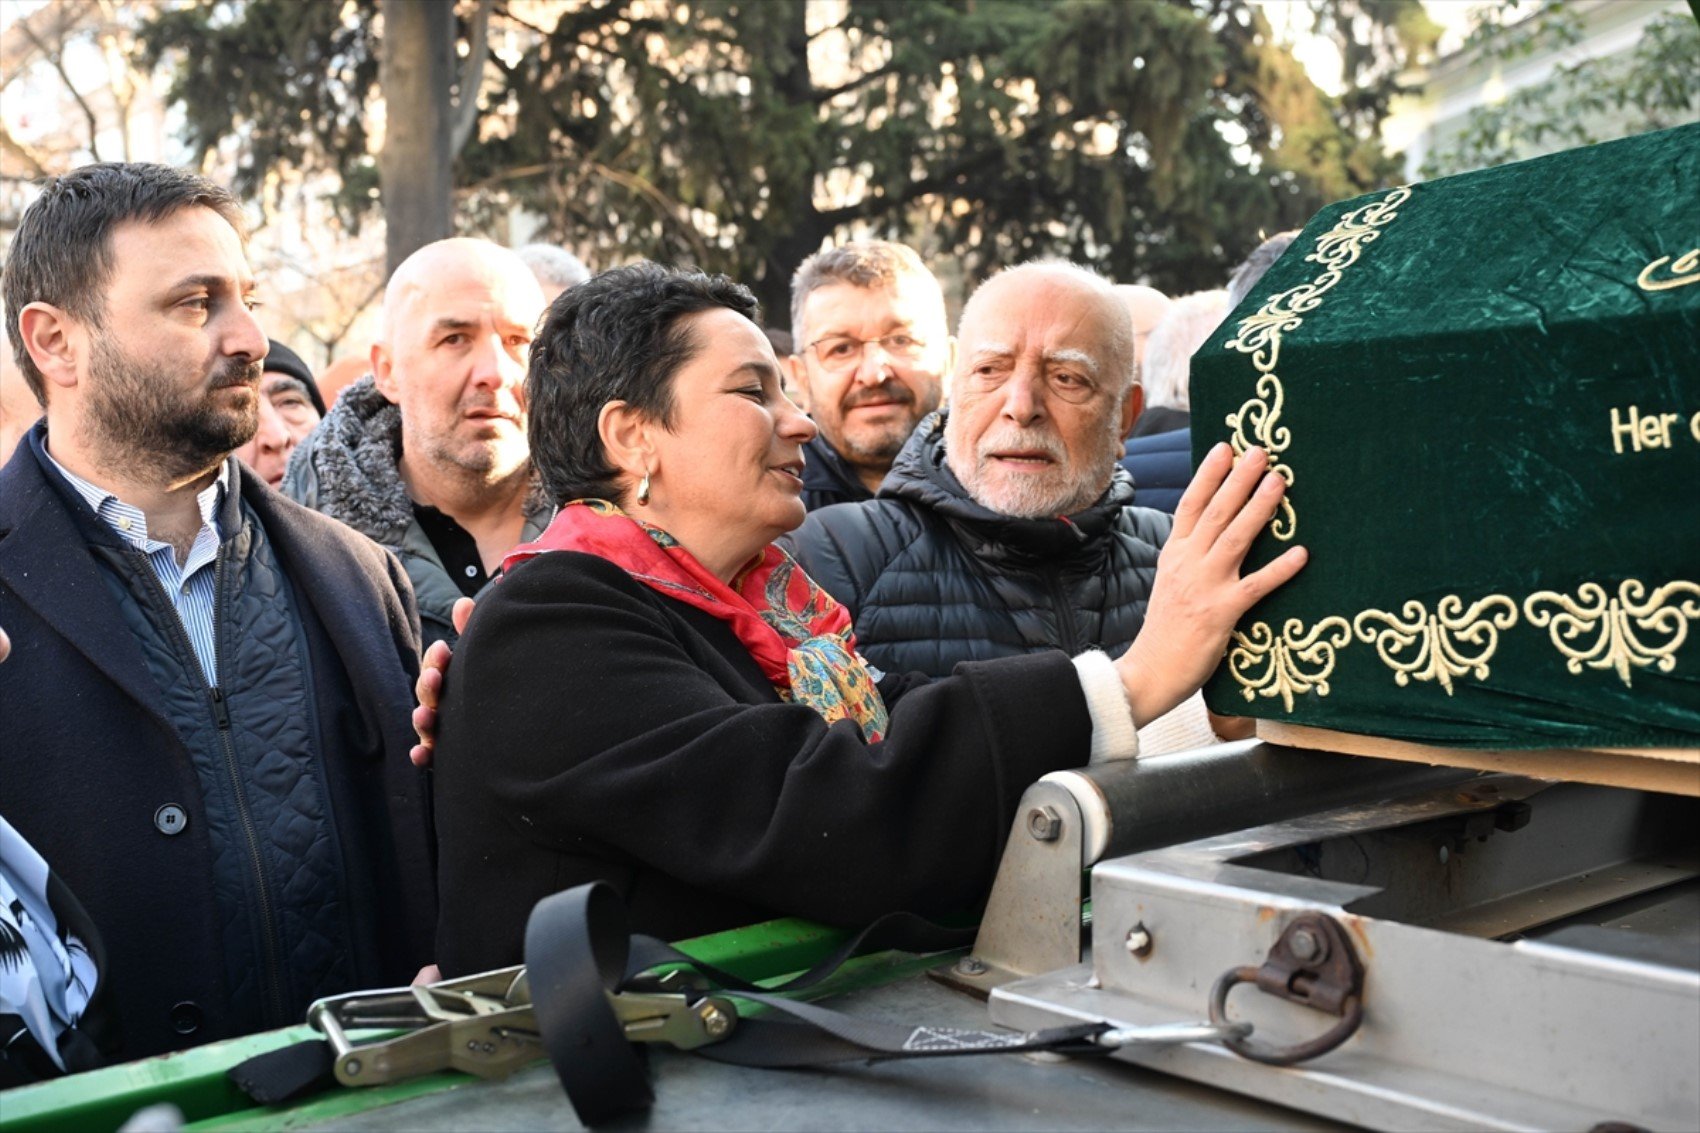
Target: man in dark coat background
x=872 y=351
x=206 y=711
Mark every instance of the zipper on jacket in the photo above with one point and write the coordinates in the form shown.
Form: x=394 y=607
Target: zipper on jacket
x=273 y=975
x=1071 y=644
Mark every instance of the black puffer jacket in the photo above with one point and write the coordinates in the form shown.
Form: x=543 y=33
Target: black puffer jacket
x=932 y=578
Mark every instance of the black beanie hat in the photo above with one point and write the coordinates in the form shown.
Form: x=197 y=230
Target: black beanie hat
x=285 y=361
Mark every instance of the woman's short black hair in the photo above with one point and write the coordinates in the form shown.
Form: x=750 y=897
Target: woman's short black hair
x=618 y=336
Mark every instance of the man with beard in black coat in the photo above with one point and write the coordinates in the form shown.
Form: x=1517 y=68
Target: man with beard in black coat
x=206 y=709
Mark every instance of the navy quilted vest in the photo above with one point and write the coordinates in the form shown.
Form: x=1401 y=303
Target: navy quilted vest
x=254 y=742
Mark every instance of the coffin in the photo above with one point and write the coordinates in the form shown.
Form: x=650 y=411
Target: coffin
x=1484 y=394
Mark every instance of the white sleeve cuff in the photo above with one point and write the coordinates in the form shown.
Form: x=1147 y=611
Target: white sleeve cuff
x=1113 y=733
x=1181 y=728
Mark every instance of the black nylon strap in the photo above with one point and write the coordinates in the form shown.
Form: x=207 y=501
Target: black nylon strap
x=286 y=1074
x=575 y=955
x=589 y=922
x=821 y=1036
x=578 y=952
x=817 y=1036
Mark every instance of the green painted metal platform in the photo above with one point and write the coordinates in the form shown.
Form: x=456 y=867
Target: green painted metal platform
x=1007 y=1092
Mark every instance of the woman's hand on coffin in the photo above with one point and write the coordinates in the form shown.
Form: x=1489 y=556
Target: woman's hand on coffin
x=1199 y=593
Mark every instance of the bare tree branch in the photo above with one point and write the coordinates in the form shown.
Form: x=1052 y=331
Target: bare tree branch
x=877 y=204
x=19 y=47
x=878 y=73
x=55 y=56
x=11 y=147
x=471 y=79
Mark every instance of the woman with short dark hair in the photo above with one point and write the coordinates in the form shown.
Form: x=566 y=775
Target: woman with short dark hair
x=657 y=697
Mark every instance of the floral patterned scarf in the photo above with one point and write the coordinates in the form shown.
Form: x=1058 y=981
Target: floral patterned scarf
x=797 y=632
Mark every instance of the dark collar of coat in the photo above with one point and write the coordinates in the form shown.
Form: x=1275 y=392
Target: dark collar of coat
x=826 y=470
x=45 y=528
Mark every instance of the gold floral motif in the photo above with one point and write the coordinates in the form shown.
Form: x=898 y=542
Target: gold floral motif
x=1451 y=642
x=1598 y=631
x=1289 y=665
x=1254 y=423
x=1260 y=336
x=1337 y=249
x=1260 y=332
x=1340 y=246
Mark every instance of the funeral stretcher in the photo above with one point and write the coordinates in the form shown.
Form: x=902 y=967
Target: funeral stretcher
x=1476 y=903
x=1429 y=948
x=1484 y=395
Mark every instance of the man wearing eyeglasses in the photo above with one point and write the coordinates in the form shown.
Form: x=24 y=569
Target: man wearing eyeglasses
x=1006 y=525
x=873 y=349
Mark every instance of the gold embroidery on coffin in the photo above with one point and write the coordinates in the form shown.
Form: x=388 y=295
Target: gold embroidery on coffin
x=1598 y=631
x=1451 y=642
x=1255 y=424
x=1684 y=271
x=1260 y=336
x=1289 y=665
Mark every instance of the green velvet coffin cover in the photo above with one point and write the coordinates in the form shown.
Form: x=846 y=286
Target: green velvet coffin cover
x=1484 y=393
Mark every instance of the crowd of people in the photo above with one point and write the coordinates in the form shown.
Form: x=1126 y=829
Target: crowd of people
x=743 y=632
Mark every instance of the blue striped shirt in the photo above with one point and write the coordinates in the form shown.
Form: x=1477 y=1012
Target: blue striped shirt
x=189 y=586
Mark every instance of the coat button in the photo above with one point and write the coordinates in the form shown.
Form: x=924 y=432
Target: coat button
x=171 y=819
x=186 y=1018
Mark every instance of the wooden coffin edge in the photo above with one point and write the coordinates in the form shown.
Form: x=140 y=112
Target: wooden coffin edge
x=1673 y=771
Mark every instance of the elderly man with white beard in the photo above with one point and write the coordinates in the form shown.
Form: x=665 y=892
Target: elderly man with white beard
x=1006 y=525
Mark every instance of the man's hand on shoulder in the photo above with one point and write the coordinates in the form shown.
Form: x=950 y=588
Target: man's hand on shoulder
x=433 y=669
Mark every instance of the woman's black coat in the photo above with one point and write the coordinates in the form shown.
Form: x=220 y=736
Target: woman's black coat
x=594 y=729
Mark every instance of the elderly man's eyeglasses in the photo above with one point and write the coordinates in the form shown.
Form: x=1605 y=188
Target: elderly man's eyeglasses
x=838 y=353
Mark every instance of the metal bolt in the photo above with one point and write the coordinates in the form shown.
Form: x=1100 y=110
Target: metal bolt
x=971 y=966
x=1308 y=946
x=1139 y=941
x=351 y=1067
x=714 y=1021
x=1044 y=823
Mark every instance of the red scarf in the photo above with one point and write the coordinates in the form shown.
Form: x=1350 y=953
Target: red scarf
x=798 y=634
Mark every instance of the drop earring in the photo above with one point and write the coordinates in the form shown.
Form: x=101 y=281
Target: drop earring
x=643 y=488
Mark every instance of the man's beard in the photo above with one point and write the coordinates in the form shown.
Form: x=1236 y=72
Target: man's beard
x=880 y=444
x=138 y=411
x=1071 y=486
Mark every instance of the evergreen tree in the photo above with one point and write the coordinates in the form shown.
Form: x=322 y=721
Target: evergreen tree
x=1155 y=140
